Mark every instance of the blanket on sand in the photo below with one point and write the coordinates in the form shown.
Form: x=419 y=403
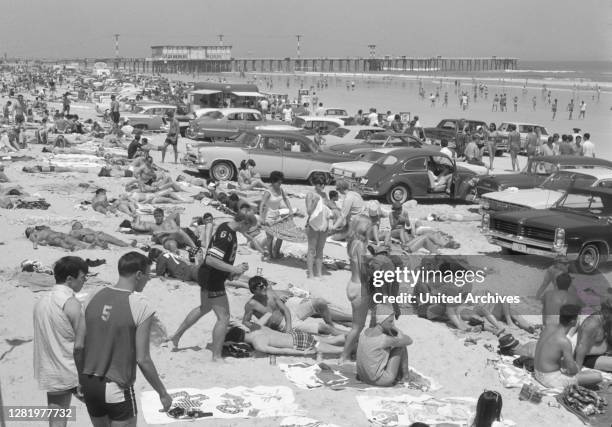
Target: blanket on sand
x=338 y=377
x=405 y=409
x=237 y=402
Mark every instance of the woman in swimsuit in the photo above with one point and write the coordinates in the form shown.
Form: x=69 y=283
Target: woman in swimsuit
x=356 y=289
x=247 y=178
x=269 y=210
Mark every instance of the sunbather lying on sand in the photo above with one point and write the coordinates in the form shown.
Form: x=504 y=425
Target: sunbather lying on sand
x=52 y=169
x=123 y=203
x=294 y=343
x=44 y=236
x=198 y=182
x=164 y=196
x=98 y=238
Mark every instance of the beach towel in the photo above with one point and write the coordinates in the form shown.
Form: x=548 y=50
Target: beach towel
x=339 y=377
x=600 y=420
x=405 y=409
x=37 y=282
x=237 y=402
x=285 y=229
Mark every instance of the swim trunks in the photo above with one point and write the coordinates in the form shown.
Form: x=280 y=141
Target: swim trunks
x=170 y=141
x=108 y=399
x=303 y=340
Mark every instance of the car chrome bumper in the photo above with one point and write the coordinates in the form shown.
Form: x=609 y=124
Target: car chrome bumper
x=194 y=135
x=528 y=246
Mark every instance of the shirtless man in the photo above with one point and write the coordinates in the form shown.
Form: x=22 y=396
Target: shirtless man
x=100 y=203
x=168 y=196
x=594 y=339
x=294 y=343
x=554 y=362
x=554 y=299
x=97 y=238
x=44 y=236
x=266 y=306
x=51 y=169
x=166 y=228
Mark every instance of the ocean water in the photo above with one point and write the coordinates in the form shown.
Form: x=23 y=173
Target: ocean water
x=585 y=71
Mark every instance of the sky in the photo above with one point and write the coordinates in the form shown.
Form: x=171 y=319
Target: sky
x=526 y=29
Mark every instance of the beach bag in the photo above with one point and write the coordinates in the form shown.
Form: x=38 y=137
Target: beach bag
x=319 y=219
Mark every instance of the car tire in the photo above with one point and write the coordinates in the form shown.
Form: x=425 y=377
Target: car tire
x=399 y=194
x=588 y=259
x=222 y=171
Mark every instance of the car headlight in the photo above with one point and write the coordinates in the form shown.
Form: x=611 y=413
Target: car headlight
x=559 y=238
x=502 y=187
x=484 y=223
x=486 y=204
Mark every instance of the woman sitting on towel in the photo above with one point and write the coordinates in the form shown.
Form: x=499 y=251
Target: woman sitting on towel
x=269 y=210
x=248 y=179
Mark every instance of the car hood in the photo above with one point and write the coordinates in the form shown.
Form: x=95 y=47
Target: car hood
x=359 y=168
x=468 y=169
x=548 y=218
x=519 y=180
x=535 y=198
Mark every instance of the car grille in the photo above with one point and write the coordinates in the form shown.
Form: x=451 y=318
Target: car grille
x=538 y=233
x=523 y=231
x=504 y=226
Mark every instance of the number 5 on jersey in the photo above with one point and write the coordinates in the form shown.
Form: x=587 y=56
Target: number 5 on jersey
x=106 y=312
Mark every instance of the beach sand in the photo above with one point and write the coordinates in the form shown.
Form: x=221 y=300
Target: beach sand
x=437 y=351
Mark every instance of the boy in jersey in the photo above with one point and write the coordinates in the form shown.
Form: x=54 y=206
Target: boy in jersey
x=216 y=268
x=112 y=340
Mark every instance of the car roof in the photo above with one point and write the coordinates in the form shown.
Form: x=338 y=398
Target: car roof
x=523 y=124
x=575 y=160
x=238 y=110
x=597 y=173
x=323 y=118
x=595 y=191
x=362 y=127
x=157 y=105
x=272 y=132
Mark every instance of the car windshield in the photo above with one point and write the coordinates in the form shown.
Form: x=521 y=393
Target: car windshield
x=371 y=156
x=248 y=139
x=586 y=203
x=561 y=181
x=339 y=132
x=541 y=167
x=138 y=109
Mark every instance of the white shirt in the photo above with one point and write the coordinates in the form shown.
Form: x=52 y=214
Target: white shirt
x=588 y=148
x=583 y=107
x=373 y=118
x=287 y=113
x=447 y=151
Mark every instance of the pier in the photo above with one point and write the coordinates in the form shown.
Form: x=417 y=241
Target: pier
x=313 y=65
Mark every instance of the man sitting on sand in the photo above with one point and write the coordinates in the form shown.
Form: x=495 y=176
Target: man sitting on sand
x=382 y=356
x=294 y=343
x=554 y=362
x=168 y=228
x=593 y=339
x=268 y=308
x=44 y=236
x=98 y=238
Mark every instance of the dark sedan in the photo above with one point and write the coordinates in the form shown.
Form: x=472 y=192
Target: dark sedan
x=536 y=171
x=377 y=140
x=577 y=226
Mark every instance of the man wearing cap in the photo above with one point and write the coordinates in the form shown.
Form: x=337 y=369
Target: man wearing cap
x=554 y=364
x=352 y=205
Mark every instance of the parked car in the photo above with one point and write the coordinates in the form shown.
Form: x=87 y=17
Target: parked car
x=523 y=131
x=447 y=129
x=151 y=116
x=547 y=194
x=399 y=174
x=577 y=226
x=294 y=154
x=537 y=170
x=339 y=112
x=313 y=123
x=350 y=134
x=226 y=123
x=376 y=140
